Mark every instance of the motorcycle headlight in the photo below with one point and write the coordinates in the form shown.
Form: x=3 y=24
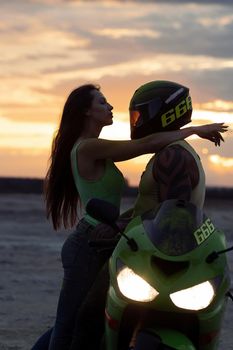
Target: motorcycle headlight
x=135 y=287
x=195 y=298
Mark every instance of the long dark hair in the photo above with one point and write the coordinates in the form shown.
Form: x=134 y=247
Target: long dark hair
x=61 y=195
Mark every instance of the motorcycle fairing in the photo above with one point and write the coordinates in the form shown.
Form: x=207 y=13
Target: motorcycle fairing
x=172 y=228
x=190 y=269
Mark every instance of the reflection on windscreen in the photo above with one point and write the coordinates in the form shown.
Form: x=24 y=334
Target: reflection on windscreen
x=172 y=227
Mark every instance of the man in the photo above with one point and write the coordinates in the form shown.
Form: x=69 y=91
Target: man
x=176 y=171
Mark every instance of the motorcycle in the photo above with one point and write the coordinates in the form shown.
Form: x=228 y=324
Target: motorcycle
x=169 y=279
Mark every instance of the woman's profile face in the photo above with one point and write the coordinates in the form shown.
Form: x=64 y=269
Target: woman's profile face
x=100 y=110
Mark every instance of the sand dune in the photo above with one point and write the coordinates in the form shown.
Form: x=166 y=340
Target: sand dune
x=31 y=272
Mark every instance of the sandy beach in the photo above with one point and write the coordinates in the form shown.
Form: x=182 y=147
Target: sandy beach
x=31 y=270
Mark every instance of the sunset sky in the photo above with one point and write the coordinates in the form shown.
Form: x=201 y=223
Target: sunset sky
x=50 y=47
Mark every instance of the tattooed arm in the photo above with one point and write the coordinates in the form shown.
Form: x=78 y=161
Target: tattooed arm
x=176 y=172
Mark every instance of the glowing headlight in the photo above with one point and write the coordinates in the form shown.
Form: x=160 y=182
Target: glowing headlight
x=135 y=287
x=194 y=298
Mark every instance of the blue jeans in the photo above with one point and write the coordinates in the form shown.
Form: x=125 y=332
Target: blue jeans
x=90 y=321
x=43 y=342
x=81 y=264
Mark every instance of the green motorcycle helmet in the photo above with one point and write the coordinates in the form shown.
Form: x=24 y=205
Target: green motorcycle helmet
x=159 y=106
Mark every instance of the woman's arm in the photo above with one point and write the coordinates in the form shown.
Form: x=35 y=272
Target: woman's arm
x=211 y=132
x=94 y=148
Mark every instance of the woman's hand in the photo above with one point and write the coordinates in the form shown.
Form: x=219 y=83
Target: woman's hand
x=212 y=132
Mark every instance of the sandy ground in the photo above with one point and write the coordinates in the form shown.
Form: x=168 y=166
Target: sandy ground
x=31 y=271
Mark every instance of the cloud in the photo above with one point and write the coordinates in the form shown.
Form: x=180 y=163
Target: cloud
x=118 y=33
x=25 y=135
x=222 y=163
x=38 y=86
x=150 y=65
x=216 y=117
x=219 y=22
x=216 y=105
x=203 y=2
x=111 y=2
x=51 y=45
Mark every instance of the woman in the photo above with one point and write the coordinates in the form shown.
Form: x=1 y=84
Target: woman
x=82 y=166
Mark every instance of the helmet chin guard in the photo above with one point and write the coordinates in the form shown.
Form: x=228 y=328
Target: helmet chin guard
x=159 y=106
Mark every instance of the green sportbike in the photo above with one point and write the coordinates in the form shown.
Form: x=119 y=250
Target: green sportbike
x=169 y=279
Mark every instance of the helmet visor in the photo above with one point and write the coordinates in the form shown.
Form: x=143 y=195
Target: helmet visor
x=141 y=113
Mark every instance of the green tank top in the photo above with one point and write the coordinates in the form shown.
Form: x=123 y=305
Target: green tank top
x=148 y=191
x=109 y=187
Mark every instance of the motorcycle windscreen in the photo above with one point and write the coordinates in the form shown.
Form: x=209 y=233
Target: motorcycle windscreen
x=172 y=228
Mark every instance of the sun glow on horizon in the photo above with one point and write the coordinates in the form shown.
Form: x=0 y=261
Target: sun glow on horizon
x=38 y=135
x=23 y=143
x=216 y=105
x=27 y=136
x=221 y=162
x=119 y=130
x=207 y=116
